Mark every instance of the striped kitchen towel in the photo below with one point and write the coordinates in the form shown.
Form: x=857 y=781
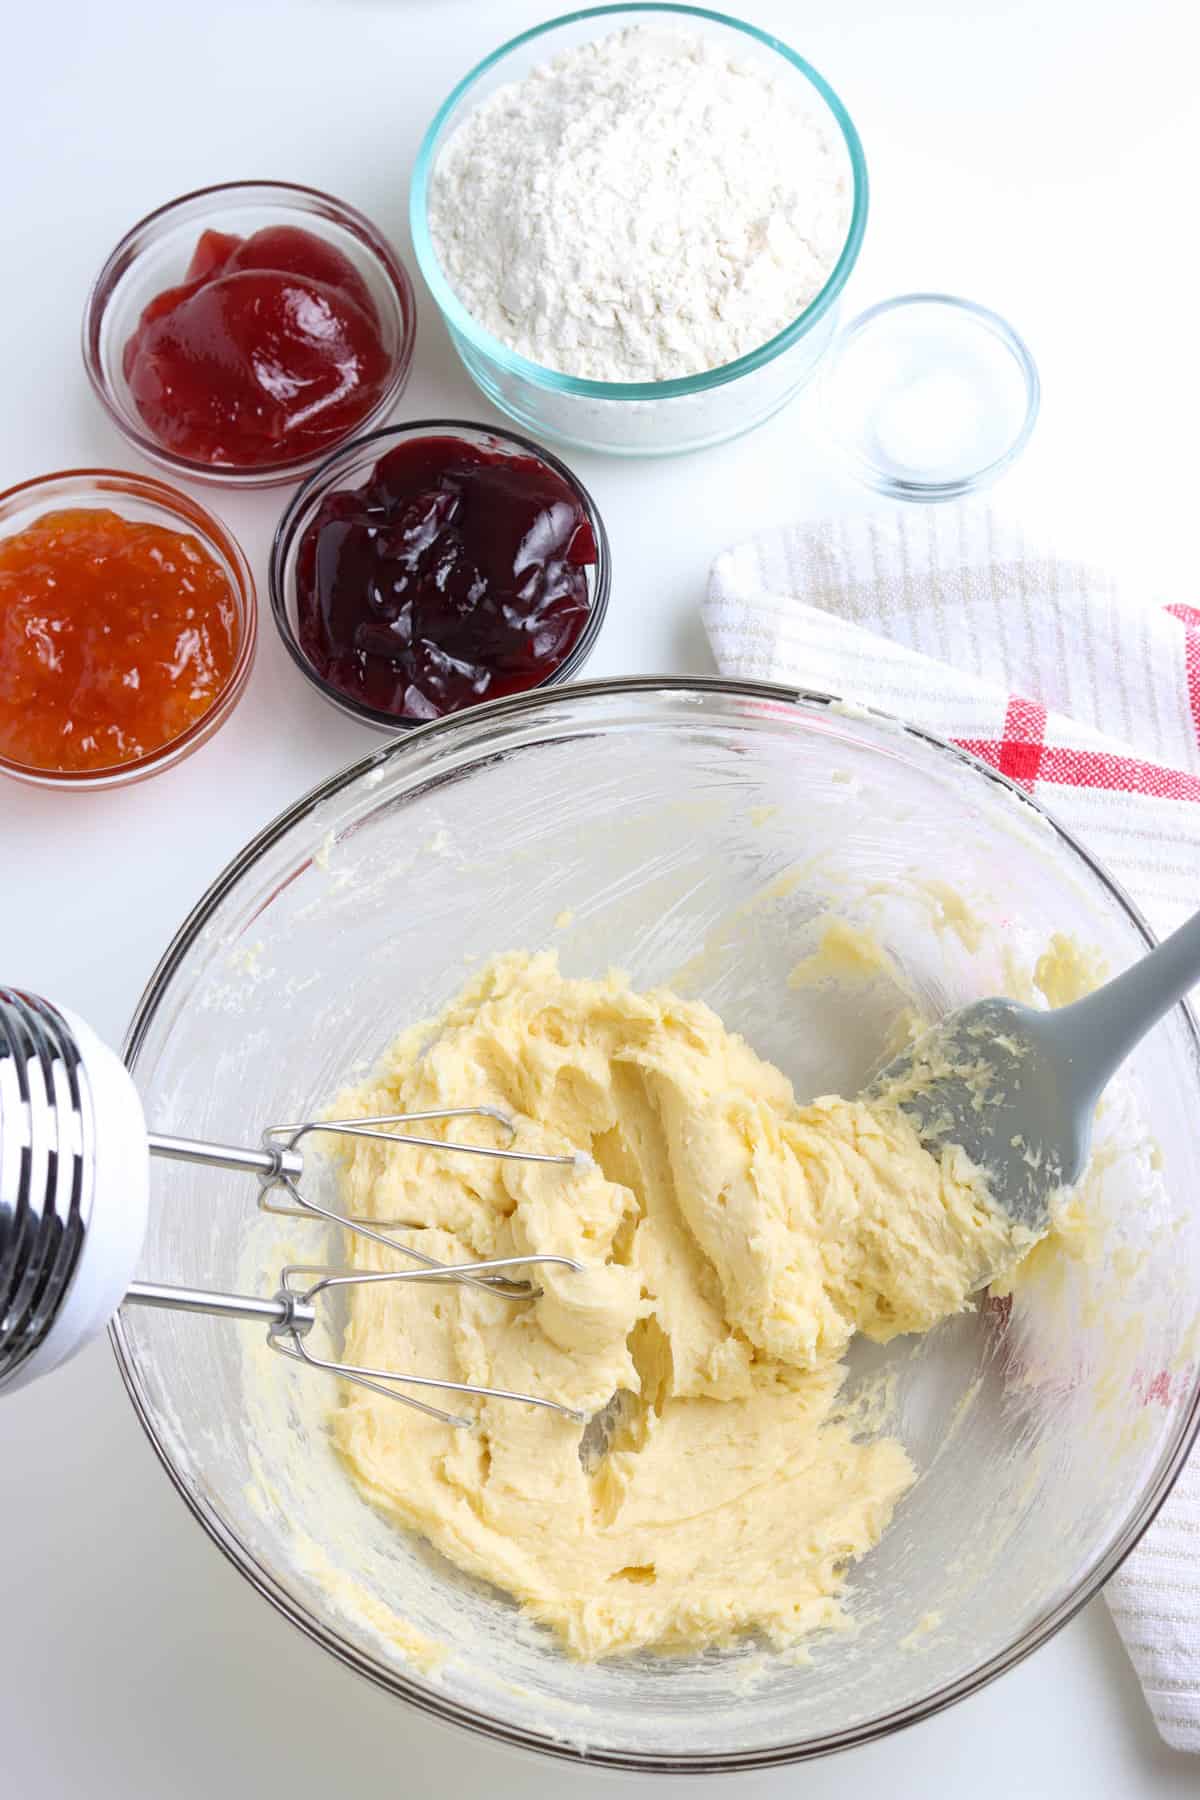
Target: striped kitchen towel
x=1087 y=696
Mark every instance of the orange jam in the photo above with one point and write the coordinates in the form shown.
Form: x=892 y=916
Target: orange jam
x=115 y=637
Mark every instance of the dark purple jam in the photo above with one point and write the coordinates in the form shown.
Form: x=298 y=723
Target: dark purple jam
x=454 y=574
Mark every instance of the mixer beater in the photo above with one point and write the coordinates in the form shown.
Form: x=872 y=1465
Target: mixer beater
x=74 y=1192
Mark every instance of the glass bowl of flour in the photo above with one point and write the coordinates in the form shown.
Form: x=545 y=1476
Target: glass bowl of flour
x=814 y=874
x=637 y=223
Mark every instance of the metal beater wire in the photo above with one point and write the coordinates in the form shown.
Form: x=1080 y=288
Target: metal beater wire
x=291 y=1136
x=375 y=1378
x=366 y=1128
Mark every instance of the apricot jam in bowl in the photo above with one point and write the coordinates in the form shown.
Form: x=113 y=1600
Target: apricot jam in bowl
x=128 y=626
x=241 y=333
x=432 y=566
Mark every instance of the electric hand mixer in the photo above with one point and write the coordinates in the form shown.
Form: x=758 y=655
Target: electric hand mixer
x=74 y=1193
x=1013 y=1088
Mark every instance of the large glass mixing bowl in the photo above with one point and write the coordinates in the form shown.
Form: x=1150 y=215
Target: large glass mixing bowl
x=694 y=833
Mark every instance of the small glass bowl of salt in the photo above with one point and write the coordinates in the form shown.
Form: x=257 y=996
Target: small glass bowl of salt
x=930 y=397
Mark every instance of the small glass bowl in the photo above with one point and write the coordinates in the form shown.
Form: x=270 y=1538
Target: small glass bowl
x=142 y=498
x=154 y=255
x=351 y=464
x=930 y=397
x=638 y=418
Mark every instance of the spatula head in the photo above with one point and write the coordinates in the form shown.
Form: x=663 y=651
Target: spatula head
x=992 y=1078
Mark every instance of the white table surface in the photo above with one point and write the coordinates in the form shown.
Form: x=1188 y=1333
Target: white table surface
x=1033 y=156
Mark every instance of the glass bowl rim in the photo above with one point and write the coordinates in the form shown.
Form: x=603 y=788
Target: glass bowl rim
x=1006 y=334
x=356 y=223
x=216 y=535
x=393 y=1680
x=323 y=477
x=510 y=361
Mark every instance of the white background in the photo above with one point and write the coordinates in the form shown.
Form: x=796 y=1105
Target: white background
x=1038 y=157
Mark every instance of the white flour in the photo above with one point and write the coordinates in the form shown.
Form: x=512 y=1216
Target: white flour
x=643 y=207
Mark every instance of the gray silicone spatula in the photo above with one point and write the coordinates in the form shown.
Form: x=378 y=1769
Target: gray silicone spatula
x=1018 y=1088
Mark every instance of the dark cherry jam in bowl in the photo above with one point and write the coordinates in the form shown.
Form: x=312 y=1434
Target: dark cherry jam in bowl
x=430 y=567
x=155 y=392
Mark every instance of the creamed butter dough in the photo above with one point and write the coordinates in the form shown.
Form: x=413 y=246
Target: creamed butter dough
x=734 y=1241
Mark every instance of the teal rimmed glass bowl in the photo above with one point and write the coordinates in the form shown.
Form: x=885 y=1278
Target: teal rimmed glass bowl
x=644 y=418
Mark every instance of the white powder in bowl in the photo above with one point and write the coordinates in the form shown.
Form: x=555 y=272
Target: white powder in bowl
x=646 y=206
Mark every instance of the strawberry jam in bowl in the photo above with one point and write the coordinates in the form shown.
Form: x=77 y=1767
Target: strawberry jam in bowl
x=429 y=567
x=127 y=628
x=241 y=333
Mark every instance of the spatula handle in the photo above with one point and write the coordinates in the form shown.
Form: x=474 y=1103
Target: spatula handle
x=1099 y=1032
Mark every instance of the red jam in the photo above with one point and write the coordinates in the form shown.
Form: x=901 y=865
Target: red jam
x=115 y=637
x=455 y=574
x=271 y=348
